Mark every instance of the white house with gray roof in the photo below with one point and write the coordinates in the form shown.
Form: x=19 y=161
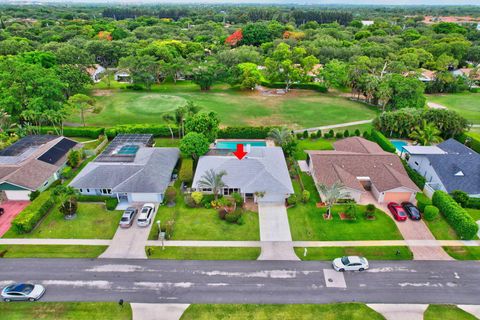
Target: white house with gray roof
x=129 y=169
x=447 y=166
x=262 y=175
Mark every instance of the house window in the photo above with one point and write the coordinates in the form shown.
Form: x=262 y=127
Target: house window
x=88 y=190
x=81 y=190
x=106 y=191
x=229 y=191
x=416 y=163
x=45 y=184
x=207 y=189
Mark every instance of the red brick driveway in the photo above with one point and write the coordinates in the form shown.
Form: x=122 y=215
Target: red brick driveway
x=12 y=209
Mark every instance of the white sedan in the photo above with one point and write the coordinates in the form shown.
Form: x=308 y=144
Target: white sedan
x=22 y=292
x=350 y=263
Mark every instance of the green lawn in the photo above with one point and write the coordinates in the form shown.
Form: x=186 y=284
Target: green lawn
x=204 y=224
x=440 y=229
x=204 y=253
x=446 y=312
x=65 y=311
x=351 y=311
x=371 y=253
x=50 y=251
x=312 y=144
x=307 y=223
x=467 y=104
x=475 y=213
x=297 y=109
x=463 y=252
x=93 y=221
x=167 y=142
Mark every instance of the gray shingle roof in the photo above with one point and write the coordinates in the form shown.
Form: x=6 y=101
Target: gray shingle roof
x=149 y=173
x=459 y=158
x=264 y=170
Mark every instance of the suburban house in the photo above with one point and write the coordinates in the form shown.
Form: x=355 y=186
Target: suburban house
x=262 y=175
x=31 y=164
x=129 y=169
x=447 y=166
x=122 y=76
x=362 y=167
x=95 y=72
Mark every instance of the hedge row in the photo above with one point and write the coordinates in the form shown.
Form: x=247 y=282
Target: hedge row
x=186 y=170
x=110 y=202
x=27 y=220
x=244 y=132
x=473 y=203
x=87 y=132
x=158 y=130
x=416 y=177
x=307 y=86
x=473 y=143
x=456 y=216
x=382 y=141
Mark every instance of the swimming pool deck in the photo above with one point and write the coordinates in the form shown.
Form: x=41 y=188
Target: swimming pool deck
x=268 y=142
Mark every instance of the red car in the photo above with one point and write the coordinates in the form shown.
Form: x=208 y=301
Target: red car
x=398 y=212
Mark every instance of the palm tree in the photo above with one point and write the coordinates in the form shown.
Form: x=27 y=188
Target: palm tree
x=212 y=180
x=331 y=194
x=426 y=134
x=280 y=136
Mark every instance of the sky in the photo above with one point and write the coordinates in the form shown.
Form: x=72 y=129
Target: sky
x=298 y=2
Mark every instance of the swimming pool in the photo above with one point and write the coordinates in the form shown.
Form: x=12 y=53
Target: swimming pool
x=232 y=145
x=399 y=144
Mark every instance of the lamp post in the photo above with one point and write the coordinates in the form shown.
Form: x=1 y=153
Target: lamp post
x=161 y=235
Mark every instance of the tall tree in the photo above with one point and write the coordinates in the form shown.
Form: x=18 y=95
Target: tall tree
x=426 y=134
x=82 y=103
x=212 y=180
x=331 y=194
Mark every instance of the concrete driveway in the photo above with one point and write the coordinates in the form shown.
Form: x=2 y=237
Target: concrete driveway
x=12 y=209
x=275 y=234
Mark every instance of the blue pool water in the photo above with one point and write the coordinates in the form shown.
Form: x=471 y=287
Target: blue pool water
x=399 y=144
x=232 y=145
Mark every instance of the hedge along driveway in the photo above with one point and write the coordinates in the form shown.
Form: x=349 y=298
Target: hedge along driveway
x=93 y=221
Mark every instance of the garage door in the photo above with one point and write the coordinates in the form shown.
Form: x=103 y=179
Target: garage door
x=397 y=197
x=17 y=195
x=145 y=197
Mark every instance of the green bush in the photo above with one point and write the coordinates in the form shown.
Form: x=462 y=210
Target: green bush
x=111 y=203
x=357 y=133
x=430 y=213
x=366 y=135
x=238 y=199
x=186 y=170
x=382 y=141
x=92 y=198
x=189 y=201
x=158 y=130
x=233 y=216
x=416 y=177
x=422 y=201
x=346 y=133
x=87 y=132
x=339 y=135
x=292 y=200
x=456 y=216
x=305 y=134
x=473 y=203
x=34 y=195
x=33 y=213
x=197 y=196
x=313 y=136
x=67 y=173
x=244 y=132
x=461 y=197
x=305 y=196
x=319 y=134
x=473 y=143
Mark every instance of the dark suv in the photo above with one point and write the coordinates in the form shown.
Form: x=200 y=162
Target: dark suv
x=411 y=211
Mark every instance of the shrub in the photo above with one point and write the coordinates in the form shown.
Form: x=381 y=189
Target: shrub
x=233 y=216
x=346 y=133
x=33 y=213
x=456 y=216
x=189 y=201
x=92 y=198
x=339 y=135
x=430 y=213
x=331 y=133
x=351 y=212
x=244 y=132
x=87 y=132
x=474 y=203
x=186 y=171
x=305 y=134
x=319 y=134
x=461 y=197
x=33 y=195
x=74 y=158
x=238 y=199
x=292 y=200
x=111 y=203
x=69 y=207
x=366 y=135
x=382 y=141
x=158 y=130
x=305 y=196
x=299 y=135
x=422 y=201
x=170 y=194
x=207 y=199
x=197 y=196
x=357 y=133
x=313 y=136
x=370 y=211
x=67 y=173
x=416 y=177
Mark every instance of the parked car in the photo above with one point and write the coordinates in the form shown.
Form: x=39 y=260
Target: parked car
x=411 y=210
x=22 y=292
x=2 y=211
x=128 y=217
x=146 y=214
x=350 y=263
x=397 y=211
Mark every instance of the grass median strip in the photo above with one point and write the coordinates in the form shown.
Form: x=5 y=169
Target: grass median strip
x=371 y=253
x=203 y=253
x=50 y=251
x=351 y=311
x=463 y=252
x=65 y=311
x=446 y=312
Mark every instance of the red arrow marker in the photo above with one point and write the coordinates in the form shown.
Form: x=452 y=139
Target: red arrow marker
x=240 y=153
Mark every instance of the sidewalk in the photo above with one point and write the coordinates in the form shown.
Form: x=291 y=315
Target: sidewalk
x=333 y=126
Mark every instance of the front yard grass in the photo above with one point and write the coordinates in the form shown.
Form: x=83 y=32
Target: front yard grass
x=446 y=312
x=93 y=221
x=440 y=228
x=307 y=223
x=351 y=311
x=204 y=253
x=463 y=252
x=371 y=253
x=312 y=144
x=204 y=224
x=475 y=213
x=65 y=311
x=50 y=251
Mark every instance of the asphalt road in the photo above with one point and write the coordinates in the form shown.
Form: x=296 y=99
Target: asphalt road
x=246 y=281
